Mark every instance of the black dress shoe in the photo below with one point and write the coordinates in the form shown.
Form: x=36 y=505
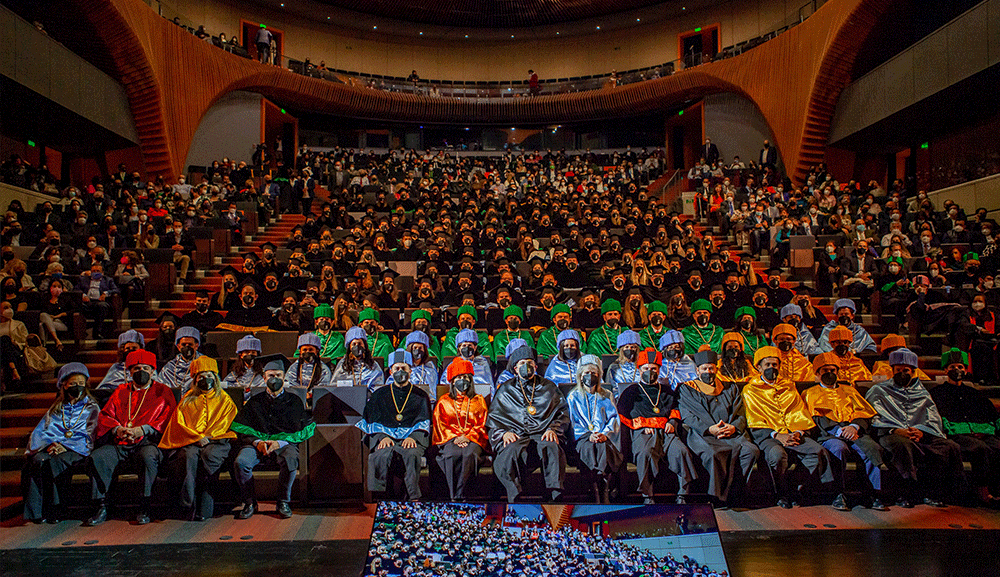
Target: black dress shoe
x=99 y=517
x=840 y=503
x=680 y=500
x=784 y=503
x=878 y=505
x=53 y=520
x=197 y=518
x=904 y=503
x=143 y=518
x=249 y=508
x=930 y=501
x=283 y=509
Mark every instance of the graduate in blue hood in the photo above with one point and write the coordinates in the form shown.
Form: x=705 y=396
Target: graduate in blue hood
x=562 y=367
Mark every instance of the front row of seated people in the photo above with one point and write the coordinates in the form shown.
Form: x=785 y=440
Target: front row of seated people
x=685 y=414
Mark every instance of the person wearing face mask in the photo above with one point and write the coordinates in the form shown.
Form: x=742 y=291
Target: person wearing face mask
x=528 y=413
x=971 y=420
x=712 y=408
x=459 y=434
x=202 y=317
x=845 y=311
x=378 y=343
x=857 y=270
x=357 y=368
x=118 y=373
x=675 y=366
x=779 y=423
x=843 y=417
x=513 y=316
x=197 y=438
x=702 y=332
x=805 y=342
x=746 y=323
x=812 y=318
x=895 y=290
x=881 y=371
x=468 y=348
x=562 y=367
x=603 y=340
x=595 y=425
x=176 y=372
x=649 y=410
x=909 y=427
x=63 y=437
x=765 y=315
x=506 y=374
x=228 y=297
x=623 y=372
x=467 y=318
x=420 y=321
x=397 y=424
x=423 y=370
x=129 y=429
x=246 y=372
x=309 y=370
x=733 y=364
x=251 y=314
x=331 y=342
x=97 y=290
x=269 y=428
x=851 y=367
x=651 y=334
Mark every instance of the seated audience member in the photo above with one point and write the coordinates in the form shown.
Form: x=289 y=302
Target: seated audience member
x=882 y=371
x=650 y=335
x=603 y=340
x=794 y=364
x=309 y=370
x=844 y=310
x=507 y=374
x=675 y=366
x=64 y=437
x=270 y=427
x=290 y=316
x=246 y=372
x=805 y=342
x=128 y=341
x=971 y=420
x=468 y=341
x=909 y=428
x=420 y=321
x=779 y=422
x=358 y=366
x=595 y=425
x=622 y=373
x=202 y=317
x=424 y=370
x=459 y=433
x=812 y=317
x=712 y=408
x=852 y=368
x=527 y=413
x=97 y=291
x=746 y=322
x=548 y=345
x=562 y=367
x=467 y=317
x=129 y=429
x=649 y=410
x=734 y=366
x=765 y=316
x=197 y=439
x=56 y=311
x=331 y=342
x=250 y=314
x=513 y=316
x=176 y=374
x=397 y=427
x=844 y=420
x=378 y=343
x=702 y=332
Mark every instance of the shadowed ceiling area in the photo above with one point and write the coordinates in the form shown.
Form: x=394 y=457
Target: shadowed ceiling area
x=491 y=13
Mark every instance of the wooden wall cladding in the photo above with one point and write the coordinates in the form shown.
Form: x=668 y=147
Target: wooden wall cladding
x=172 y=79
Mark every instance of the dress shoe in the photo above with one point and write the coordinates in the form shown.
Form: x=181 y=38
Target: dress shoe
x=283 y=509
x=249 y=508
x=99 y=517
x=904 y=503
x=932 y=502
x=840 y=503
x=648 y=501
x=680 y=500
x=878 y=505
x=143 y=518
x=784 y=503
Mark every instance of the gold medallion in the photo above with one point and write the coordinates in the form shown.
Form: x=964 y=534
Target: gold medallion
x=399 y=416
x=656 y=410
x=532 y=410
x=69 y=434
x=128 y=425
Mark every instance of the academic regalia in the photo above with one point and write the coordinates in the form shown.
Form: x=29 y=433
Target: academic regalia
x=303 y=374
x=503 y=337
x=604 y=340
x=620 y=375
x=244 y=317
x=650 y=338
x=676 y=372
x=528 y=409
x=397 y=413
x=696 y=337
x=117 y=375
x=726 y=460
x=331 y=345
x=197 y=416
x=735 y=374
x=797 y=368
x=752 y=342
x=547 y=346
x=595 y=413
x=45 y=478
x=176 y=374
x=778 y=408
x=380 y=345
x=248 y=380
x=645 y=406
x=805 y=342
x=832 y=409
x=425 y=374
x=265 y=417
x=483 y=374
x=883 y=370
x=561 y=372
x=150 y=408
x=971 y=420
x=853 y=369
x=453 y=418
x=862 y=340
x=448 y=348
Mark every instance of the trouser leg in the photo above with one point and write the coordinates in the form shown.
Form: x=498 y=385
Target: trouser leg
x=210 y=460
x=411 y=469
x=288 y=469
x=841 y=452
x=553 y=463
x=104 y=460
x=777 y=463
x=680 y=461
x=815 y=459
x=379 y=461
x=243 y=465
x=647 y=450
x=150 y=456
x=507 y=463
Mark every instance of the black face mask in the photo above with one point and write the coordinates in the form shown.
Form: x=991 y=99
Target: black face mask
x=570 y=353
x=746 y=325
x=205 y=383
x=140 y=378
x=358 y=351
x=400 y=376
x=649 y=377
x=514 y=324
x=707 y=378
x=613 y=323
x=844 y=320
x=732 y=353
x=526 y=371
x=307 y=357
x=562 y=324
x=73 y=392
x=248 y=300
x=673 y=354
x=248 y=359
x=774 y=283
x=187 y=353
x=734 y=286
x=785 y=346
x=289 y=308
x=761 y=301
x=717 y=302
x=462 y=385
x=467 y=352
x=630 y=354
x=270 y=285
x=274 y=383
x=229 y=285
x=828 y=379
x=770 y=373
x=956 y=375
x=201 y=307
x=901 y=379
x=841 y=350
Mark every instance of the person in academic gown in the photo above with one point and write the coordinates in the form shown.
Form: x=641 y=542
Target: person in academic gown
x=602 y=341
x=459 y=434
x=562 y=367
x=623 y=372
x=176 y=373
x=424 y=370
x=379 y=343
x=129 y=429
x=64 y=437
x=270 y=427
x=860 y=340
x=794 y=364
x=881 y=370
x=676 y=367
x=513 y=317
x=712 y=410
x=595 y=426
x=397 y=426
x=331 y=342
x=779 y=422
x=247 y=372
x=702 y=332
x=851 y=367
x=527 y=412
x=844 y=420
x=358 y=366
x=198 y=436
x=649 y=410
x=467 y=341
x=733 y=365
x=309 y=370
x=128 y=341
x=910 y=429
x=562 y=317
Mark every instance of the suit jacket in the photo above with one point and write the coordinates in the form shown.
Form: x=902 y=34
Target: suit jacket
x=710 y=152
x=768 y=156
x=851 y=266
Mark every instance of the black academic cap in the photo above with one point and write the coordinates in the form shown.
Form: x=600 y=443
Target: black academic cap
x=271 y=273
x=694 y=271
x=289 y=294
x=802 y=289
x=716 y=287
x=773 y=271
x=536 y=258
x=389 y=273
x=268 y=245
x=230 y=270
x=657 y=269
x=274 y=362
x=250 y=255
x=674 y=258
x=167 y=316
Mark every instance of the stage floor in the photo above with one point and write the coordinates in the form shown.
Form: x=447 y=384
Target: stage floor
x=803 y=542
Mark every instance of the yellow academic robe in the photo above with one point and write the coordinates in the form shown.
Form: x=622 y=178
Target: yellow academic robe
x=207 y=415
x=722 y=375
x=841 y=404
x=853 y=369
x=778 y=406
x=795 y=367
x=883 y=369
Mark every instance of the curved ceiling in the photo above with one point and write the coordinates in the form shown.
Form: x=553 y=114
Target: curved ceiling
x=490 y=13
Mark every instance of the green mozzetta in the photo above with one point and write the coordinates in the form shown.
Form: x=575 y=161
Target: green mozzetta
x=953 y=428
x=297 y=437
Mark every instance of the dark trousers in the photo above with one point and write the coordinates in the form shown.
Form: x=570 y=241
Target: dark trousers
x=97 y=311
x=934 y=463
x=196 y=470
x=843 y=451
x=511 y=464
x=248 y=457
x=307 y=206
x=459 y=465
x=104 y=461
x=381 y=463
x=983 y=454
x=599 y=458
x=649 y=450
x=809 y=454
x=43 y=479
x=725 y=460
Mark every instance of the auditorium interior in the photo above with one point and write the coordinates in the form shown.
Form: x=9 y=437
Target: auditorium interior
x=654 y=287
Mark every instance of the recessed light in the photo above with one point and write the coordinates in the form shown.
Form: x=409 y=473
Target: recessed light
x=511 y=35
x=374 y=27
x=557 y=34
x=638 y=19
x=598 y=27
x=466 y=35
x=421 y=33
x=327 y=17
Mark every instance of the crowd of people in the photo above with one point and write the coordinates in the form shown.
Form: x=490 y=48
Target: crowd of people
x=565 y=314
x=467 y=542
